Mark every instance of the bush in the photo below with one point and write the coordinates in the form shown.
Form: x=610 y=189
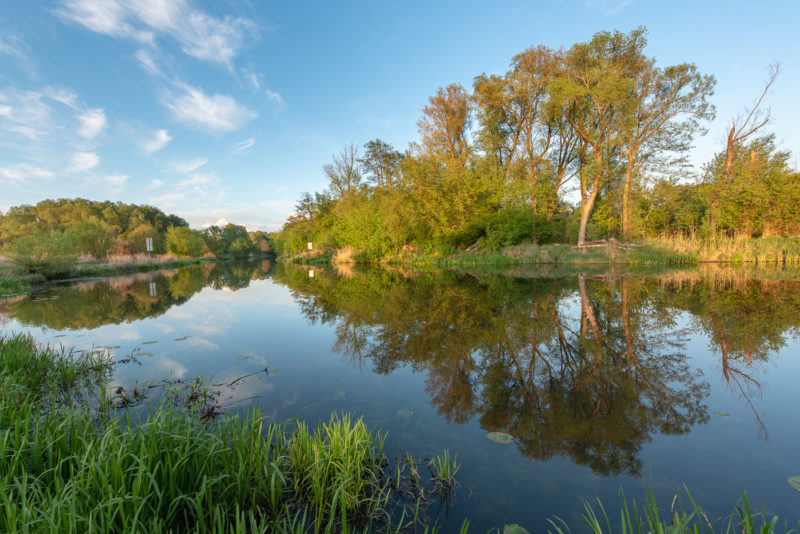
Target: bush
x=48 y=254
x=182 y=241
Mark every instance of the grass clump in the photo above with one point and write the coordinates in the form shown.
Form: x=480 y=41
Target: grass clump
x=677 y=519
x=73 y=460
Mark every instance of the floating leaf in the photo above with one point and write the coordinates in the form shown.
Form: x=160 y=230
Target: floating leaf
x=275 y=372
x=61 y=335
x=115 y=347
x=340 y=395
x=242 y=357
x=405 y=413
x=184 y=338
x=721 y=414
x=149 y=342
x=255 y=378
x=794 y=482
x=514 y=528
x=500 y=437
x=146 y=354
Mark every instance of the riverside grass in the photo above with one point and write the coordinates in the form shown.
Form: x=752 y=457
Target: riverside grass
x=70 y=463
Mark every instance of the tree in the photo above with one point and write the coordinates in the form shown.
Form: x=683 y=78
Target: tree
x=444 y=125
x=344 y=174
x=46 y=253
x=595 y=87
x=668 y=106
x=381 y=162
x=742 y=126
x=182 y=241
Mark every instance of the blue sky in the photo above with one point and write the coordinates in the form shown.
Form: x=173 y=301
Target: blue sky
x=226 y=109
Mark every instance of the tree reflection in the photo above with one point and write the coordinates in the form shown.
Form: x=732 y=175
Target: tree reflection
x=123 y=299
x=588 y=367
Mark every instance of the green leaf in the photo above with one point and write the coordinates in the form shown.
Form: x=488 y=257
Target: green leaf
x=501 y=437
x=794 y=482
x=514 y=528
x=242 y=357
x=405 y=413
x=721 y=414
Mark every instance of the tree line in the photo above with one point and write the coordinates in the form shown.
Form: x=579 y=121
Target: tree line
x=49 y=236
x=568 y=145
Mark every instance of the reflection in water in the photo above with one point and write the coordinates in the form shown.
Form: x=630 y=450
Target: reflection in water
x=587 y=367
x=90 y=304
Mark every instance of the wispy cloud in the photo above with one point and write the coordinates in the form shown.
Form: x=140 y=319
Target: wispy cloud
x=160 y=139
x=200 y=35
x=195 y=180
x=115 y=183
x=241 y=146
x=13 y=45
x=23 y=172
x=155 y=183
x=93 y=121
x=251 y=78
x=213 y=113
x=25 y=113
x=83 y=161
x=189 y=166
x=274 y=96
x=610 y=7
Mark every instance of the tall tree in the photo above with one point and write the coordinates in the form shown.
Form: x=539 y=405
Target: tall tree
x=343 y=173
x=381 y=162
x=596 y=89
x=444 y=125
x=742 y=126
x=668 y=107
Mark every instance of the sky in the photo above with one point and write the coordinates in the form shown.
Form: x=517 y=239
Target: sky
x=228 y=110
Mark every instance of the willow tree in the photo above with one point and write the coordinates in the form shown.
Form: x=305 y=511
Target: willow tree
x=668 y=105
x=595 y=88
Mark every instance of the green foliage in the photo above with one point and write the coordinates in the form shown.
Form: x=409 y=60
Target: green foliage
x=49 y=254
x=136 y=240
x=182 y=241
x=92 y=237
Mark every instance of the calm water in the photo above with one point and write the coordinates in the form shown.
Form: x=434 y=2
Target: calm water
x=607 y=380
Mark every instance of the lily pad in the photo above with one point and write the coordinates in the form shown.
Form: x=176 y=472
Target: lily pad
x=242 y=357
x=794 y=482
x=514 y=528
x=405 y=413
x=149 y=342
x=501 y=437
x=721 y=414
x=340 y=395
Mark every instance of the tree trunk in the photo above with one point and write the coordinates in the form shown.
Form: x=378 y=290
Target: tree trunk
x=586 y=210
x=626 y=200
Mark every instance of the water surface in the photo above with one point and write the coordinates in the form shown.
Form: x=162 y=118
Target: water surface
x=606 y=379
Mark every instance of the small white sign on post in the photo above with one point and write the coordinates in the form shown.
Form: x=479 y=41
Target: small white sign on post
x=310 y=246
x=311 y=273
x=152 y=289
x=148 y=241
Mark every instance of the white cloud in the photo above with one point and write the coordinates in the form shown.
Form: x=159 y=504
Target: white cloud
x=23 y=172
x=241 y=146
x=147 y=62
x=251 y=78
x=199 y=34
x=83 y=161
x=155 y=183
x=115 y=183
x=25 y=113
x=189 y=166
x=215 y=113
x=196 y=179
x=159 y=141
x=93 y=121
x=275 y=97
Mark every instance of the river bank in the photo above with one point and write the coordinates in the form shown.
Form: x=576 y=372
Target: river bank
x=677 y=251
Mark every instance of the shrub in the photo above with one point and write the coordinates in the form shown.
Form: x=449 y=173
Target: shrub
x=48 y=254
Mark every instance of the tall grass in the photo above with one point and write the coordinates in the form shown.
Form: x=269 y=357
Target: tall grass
x=736 y=249
x=72 y=462
x=678 y=518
